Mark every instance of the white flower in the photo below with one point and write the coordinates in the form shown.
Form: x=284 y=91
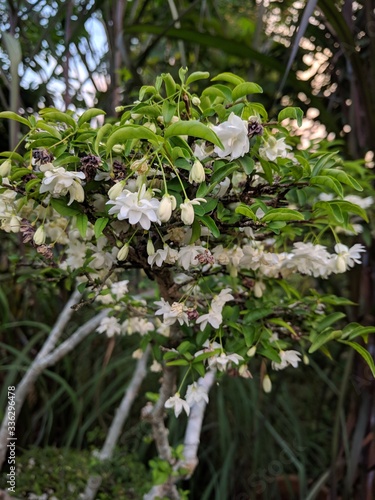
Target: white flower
x=156 y=367
x=361 y=202
x=347 y=257
x=313 y=260
x=119 y=289
x=287 y=358
x=167 y=254
x=5 y=168
x=195 y=394
x=187 y=210
x=178 y=404
x=233 y=135
x=197 y=173
x=172 y=313
x=137 y=325
x=59 y=182
x=116 y=190
x=39 y=235
x=187 y=256
x=136 y=207
x=223 y=361
x=208 y=347
x=274 y=148
x=110 y=326
x=167 y=205
x=214 y=318
x=223 y=297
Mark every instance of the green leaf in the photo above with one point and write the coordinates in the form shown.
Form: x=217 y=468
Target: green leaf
x=19 y=172
x=228 y=77
x=323 y=338
x=57 y=116
x=210 y=223
x=362 y=351
x=131 y=132
x=193 y=128
x=178 y=362
x=89 y=114
x=246 y=211
x=330 y=183
x=100 y=225
x=195 y=232
x=218 y=91
x=12 y=156
x=270 y=353
x=81 y=223
x=102 y=132
x=48 y=128
x=284 y=324
x=354 y=330
x=291 y=112
x=206 y=207
x=344 y=178
x=246 y=88
x=170 y=84
x=168 y=111
x=221 y=173
x=197 y=75
x=327 y=321
x=247 y=163
x=13 y=116
x=323 y=162
x=282 y=214
x=61 y=207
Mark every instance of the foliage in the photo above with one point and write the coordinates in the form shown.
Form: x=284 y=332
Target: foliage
x=62 y=473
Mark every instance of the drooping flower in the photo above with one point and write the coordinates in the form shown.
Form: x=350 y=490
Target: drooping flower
x=137 y=207
x=195 y=394
x=172 y=313
x=197 y=173
x=287 y=358
x=60 y=182
x=233 y=135
x=166 y=254
x=347 y=257
x=178 y=404
x=214 y=318
x=166 y=207
x=187 y=210
x=224 y=361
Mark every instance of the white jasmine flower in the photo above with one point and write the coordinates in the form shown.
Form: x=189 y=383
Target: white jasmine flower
x=208 y=347
x=187 y=210
x=156 y=367
x=213 y=317
x=178 y=404
x=136 y=207
x=347 y=257
x=119 y=289
x=233 y=135
x=110 y=326
x=259 y=288
x=172 y=313
x=287 y=358
x=195 y=394
x=167 y=205
x=116 y=190
x=313 y=260
x=167 y=254
x=137 y=325
x=59 y=182
x=223 y=361
x=187 y=256
x=361 y=202
x=197 y=173
x=137 y=354
x=274 y=148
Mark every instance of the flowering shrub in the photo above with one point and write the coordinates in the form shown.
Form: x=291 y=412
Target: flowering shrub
x=216 y=206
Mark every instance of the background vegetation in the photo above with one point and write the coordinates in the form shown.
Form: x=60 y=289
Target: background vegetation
x=313 y=435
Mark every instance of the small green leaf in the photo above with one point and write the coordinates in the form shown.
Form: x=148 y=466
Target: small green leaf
x=195 y=232
x=168 y=111
x=89 y=114
x=100 y=225
x=210 y=223
x=291 y=112
x=327 y=321
x=221 y=173
x=197 y=75
x=61 y=207
x=81 y=223
x=324 y=337
x=178 y=362
x=193 y=128
x=131 y=132
x=282 y=214
x=330 y=183
x=19 y=172
x=246 y=88
x=12 y=156
x=362 y=351
x=228 y=77
x=57 y=116
x=246 y=211
x=344 y=178
x=13 y=116
x=102 y=132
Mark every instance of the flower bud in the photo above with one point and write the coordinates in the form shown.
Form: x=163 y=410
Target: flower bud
x=306 y=360
x=14 y=224
x=251 y=352
x=123 y=252
x=167 y=204
x=150 y=126
x=150 y=247
x=340 y=264
x=187 y=213
x=39 y=236
x=197 y=173
x=118 y=149
x=118 y=109
x=259 y=288
x=196 y=101
x=116 y=190
x=5 y=168
x=267 y=384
